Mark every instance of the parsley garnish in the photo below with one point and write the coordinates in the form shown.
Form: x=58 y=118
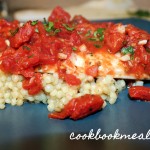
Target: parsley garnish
x=99 y=34
x=67 y=27
x=26 y=47
x=13 y=32
x=31 y=56
x=88 y=33
x=57 y=31
x=97 y=45
x=93 y=39
x=36 y=30
x=48 y=25
x=79 y=32
x=74 y=48
x=33 y=23
x=101 y=38
x=131 y=57
x=127 y=50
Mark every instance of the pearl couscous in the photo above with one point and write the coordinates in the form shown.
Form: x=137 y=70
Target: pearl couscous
x=56 y=93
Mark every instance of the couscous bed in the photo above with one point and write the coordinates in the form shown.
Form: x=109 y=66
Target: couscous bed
x=56 y=93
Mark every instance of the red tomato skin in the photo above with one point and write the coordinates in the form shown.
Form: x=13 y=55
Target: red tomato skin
x=22 y=36
x=3 y=45
x=140 y=93
x=19 y=61
x=75 y=39
x=141 y=58
x=7 y=65
x=91 y=104
x=80 y=107
x=114 y=39
x=78 y=19
x=27 y=73
x=92 y=71
x=6 y=27
x=58 y=14
x=33 y=85
x=72 y=80
x=147 y=68
x=47 y=59
x=115 y=42
x=136 y=34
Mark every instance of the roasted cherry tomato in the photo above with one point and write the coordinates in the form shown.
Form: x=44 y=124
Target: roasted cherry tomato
x=114 y=38
x=21 y=35
x=58 y=14
x=33 y=85
x=80 y=107
x=8 y=28
x=72 y=79
x=140 y=93
x=92 y=71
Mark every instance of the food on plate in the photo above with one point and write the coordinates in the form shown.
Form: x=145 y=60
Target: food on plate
x=140 y=93
x=80 y=107
x=70 y=63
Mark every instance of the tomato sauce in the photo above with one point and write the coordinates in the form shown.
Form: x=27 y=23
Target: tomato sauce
x=52 y=41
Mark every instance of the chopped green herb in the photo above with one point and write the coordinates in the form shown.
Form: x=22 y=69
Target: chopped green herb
x=148 y=50
x=33 y=23
x=74 y=48
x=131 y=57
x=31 y=56
x=93 y=39
x=88 y=33
x=102 y=38
x=67 y=27
x=36 y=30
x=99 y=32
x=79 y=32
x=48 y=25
x=97 y=45
x=26 y=47
x=13 y=32
x=127 y=50
x=57 y=31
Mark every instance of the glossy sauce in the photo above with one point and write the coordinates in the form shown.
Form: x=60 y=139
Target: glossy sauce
x=53 y=42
